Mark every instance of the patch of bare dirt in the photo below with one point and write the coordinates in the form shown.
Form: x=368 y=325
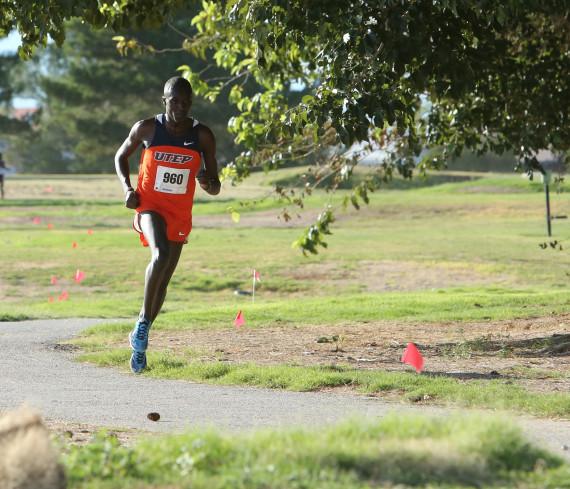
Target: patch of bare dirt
x=300 y=218
x=15 y=294
x=484 y=189
x=533 y=352
x=69 y=433
x=398 y=276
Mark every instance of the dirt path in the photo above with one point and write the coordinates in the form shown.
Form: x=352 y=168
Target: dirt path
x=534 y=352
x=78 y=398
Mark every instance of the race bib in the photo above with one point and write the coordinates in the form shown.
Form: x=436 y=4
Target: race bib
x=171 y=180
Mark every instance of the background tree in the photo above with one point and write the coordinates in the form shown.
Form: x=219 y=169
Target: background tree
x=447 y=75
x=8 y=88
x=91 y=95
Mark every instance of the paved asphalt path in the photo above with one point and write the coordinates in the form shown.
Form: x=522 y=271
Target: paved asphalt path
x=36 y=371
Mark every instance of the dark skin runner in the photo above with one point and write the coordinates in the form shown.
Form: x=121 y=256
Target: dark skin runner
x=2 y=165
x=164 y=253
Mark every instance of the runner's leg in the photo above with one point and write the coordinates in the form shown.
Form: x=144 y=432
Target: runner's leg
x=153 y=227
x=173 y=257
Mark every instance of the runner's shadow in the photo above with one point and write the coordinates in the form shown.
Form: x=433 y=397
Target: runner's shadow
x=493 y=375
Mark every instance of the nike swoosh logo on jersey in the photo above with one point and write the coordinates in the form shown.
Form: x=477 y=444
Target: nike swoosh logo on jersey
x=188 y=144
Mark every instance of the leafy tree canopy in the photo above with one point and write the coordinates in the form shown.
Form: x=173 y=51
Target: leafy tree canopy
x=401 y=75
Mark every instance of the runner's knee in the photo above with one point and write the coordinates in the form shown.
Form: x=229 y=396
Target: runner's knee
x=161 y=255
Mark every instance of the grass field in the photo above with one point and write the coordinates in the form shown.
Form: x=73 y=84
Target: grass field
x=491 y=227
x=458 y=263
x=454 y=247
x=401 y=452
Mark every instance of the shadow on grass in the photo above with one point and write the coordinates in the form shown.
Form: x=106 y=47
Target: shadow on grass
x=554 y=345
x=42 y=202
x=414 y=464
x=396 y=184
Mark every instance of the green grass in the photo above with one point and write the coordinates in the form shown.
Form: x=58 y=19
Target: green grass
x=114 y=263
x=486 y=228
x=396 y=451
x=431 y=306
x=439 y=388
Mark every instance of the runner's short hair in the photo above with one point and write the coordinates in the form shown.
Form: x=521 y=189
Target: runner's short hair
x=177 y=82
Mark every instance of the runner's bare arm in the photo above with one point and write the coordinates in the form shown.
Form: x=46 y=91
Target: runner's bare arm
x=210 y=182
x=141 y=131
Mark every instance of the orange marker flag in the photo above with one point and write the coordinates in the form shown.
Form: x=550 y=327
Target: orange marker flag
x=63 y=296
x=53 y=280
x=74 y=245
x=50 y=299
x=239 y=320
x=90 y=232
x=50 y=226
x=413 y=357
x=37 y=220
x=79 y=276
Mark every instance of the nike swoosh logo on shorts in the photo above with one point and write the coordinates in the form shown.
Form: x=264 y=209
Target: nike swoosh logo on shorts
x=180 y=234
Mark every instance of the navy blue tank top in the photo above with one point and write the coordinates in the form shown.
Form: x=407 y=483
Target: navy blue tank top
x=163 y=138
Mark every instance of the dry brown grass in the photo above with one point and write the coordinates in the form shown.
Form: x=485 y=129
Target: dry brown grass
x=27 y=458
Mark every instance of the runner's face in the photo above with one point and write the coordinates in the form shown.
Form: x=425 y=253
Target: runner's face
x=177 y=104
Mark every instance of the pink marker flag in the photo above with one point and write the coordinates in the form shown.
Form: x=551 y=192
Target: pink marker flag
x=37 y=220
x=79 y=276
x=90 y=232
x=53 y=280
x=256 y=276
x=413 y=357
x=48 y=189
x=74 y=245
x=239 y=320
x=50 y=226
x=50 y=299
x=63 y=296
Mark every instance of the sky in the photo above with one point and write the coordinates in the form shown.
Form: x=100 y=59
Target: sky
x=10 y=45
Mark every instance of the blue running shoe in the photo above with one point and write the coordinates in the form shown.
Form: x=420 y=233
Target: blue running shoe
x=138 y=337
x=138 y=361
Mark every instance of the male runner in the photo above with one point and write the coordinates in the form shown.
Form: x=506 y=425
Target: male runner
x=170 y=163
x=2 y=171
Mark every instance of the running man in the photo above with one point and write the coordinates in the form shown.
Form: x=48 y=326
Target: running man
x=174 y=145
x=2 y=172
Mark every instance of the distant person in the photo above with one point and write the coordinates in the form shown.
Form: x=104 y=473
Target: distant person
x=2 y=171
x=174 y=144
